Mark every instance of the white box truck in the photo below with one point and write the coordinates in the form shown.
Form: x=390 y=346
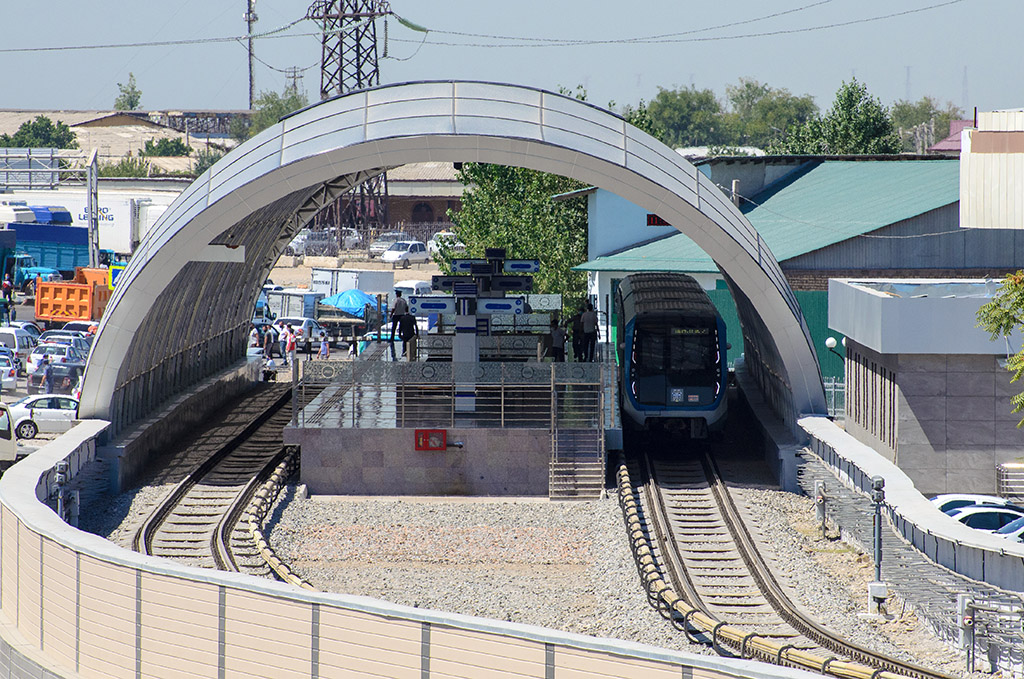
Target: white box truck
x=332 y=281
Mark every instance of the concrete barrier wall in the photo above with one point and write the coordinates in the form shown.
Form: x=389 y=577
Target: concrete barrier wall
x=972 y=553
x=135 y=449
x=73 y=604
x=385 y=462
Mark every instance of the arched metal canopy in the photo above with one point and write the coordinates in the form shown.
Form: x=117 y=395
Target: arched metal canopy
x=182 y=307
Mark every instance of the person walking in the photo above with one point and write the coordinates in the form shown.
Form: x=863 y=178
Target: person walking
x=589 y=322
x=254 y=336
x=48 y=376
x=8 y=289
x=325 y=347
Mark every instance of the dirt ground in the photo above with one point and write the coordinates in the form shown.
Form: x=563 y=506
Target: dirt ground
x=294 y=272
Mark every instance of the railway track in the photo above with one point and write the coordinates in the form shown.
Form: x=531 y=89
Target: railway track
x=198 y=520
x=702 y=569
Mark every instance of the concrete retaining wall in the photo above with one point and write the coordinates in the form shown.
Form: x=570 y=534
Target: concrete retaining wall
x=972 y=553
x=385 y=462
x=132 y=452
x=75 y=605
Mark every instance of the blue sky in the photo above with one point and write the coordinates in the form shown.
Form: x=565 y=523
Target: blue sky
x=937 y=45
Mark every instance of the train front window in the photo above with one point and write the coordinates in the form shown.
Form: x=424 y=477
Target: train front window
x=684 y=351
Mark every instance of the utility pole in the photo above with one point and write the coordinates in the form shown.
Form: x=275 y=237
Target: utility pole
x=349 y=62
x=294 y=76
x=250 y=19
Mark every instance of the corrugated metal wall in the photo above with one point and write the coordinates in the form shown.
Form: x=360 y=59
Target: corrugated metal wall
x=933 y=240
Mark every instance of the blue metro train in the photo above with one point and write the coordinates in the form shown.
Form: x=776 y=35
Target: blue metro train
x=671 y=348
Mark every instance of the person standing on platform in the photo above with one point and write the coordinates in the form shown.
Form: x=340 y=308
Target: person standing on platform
x=407 y=331
x=400 y=309
x=589 y=321
x=557 y=341
x=576 y=324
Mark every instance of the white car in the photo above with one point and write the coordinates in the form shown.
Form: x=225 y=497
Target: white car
x=406 y=252
x=1013 y=531
x=304 y=328
x=986 y=517
x=8 y=373
x=447 y=237
x=950 y=501
x=58 y=353
x=43 y=413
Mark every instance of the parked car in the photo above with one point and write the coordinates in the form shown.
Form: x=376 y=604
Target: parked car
x=28 y=326
x=1013 y=531
x=8 y=373
x=986 y=517
x=58 y=353
x=385 y=241
x=350 y=239
x=447 y=237
x=297 y=246
x=405 y=253
x=87 y=327
x=18 y=341
x=306 y=329
x=950 y=501
x=43 y=413
x=66 y=377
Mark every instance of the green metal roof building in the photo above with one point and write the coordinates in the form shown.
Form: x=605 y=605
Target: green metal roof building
x=892 y=216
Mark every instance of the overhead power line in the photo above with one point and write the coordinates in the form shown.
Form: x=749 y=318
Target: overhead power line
x=656 y=40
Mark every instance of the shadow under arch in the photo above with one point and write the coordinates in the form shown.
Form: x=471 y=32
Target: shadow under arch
x=182 y=307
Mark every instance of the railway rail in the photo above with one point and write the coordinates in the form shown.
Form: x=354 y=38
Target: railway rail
x=702 y=570
x=198 y=520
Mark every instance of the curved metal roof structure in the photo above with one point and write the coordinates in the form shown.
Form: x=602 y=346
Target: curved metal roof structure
x=182 y=307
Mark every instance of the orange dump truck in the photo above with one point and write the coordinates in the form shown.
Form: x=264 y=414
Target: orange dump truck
x=81 y=299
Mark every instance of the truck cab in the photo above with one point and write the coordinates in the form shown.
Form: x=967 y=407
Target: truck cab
x=23 y=270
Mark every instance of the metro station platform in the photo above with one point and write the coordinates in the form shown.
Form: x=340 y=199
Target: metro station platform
x=435 y=428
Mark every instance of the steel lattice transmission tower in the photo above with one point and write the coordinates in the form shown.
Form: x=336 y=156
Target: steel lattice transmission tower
x=349 y=62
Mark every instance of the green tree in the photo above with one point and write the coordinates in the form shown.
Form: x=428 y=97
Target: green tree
x=689 y=117
x=205 y=158
x=760 y=114
x=131 y=96
x=1001 y=317
x=166 y=147
x=856 y=124
x=909 y=116
x=129 y=166
x=41 y=133
x=512 y=208
x=270 y=108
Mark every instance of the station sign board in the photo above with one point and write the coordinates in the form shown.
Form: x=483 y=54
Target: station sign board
x=466 y=265
x=420 y=305
x=500 y=305
x=522 y=265
x=512 y=283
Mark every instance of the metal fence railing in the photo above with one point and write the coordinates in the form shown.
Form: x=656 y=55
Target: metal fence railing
x=384 y=394
x=835 y=397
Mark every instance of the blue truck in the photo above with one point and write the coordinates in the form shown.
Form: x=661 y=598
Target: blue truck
x=20 y=266
x=57 y=246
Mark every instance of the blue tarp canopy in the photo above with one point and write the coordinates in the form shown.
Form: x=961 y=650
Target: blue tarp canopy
x=351 y=302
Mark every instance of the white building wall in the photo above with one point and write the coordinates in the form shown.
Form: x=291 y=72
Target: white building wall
x=992 y=172
x=616 y=224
